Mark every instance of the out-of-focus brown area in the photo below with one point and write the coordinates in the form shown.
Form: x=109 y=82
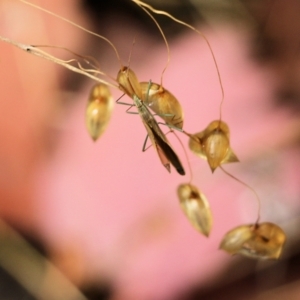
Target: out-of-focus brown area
x=277 y=44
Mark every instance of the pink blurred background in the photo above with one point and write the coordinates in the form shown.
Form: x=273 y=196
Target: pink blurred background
x=108 y=212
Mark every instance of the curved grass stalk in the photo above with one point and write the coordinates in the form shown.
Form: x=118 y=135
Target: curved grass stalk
x=250 y=188
x=38 y=52
x=76 y=25
x=164 y=37
x=161 y=12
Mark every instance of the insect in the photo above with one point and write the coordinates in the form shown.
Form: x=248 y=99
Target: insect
x=155 y=96
x=158 y=138
x=130 y=85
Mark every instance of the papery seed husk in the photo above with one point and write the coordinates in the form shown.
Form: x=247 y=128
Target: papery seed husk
x=196 y=146
x=234 y=239
x=195 y=207
x=259 y=241
x=128 y=83
x=213 y=144
x=216 y=146
x=98 y=110
x=163 y=103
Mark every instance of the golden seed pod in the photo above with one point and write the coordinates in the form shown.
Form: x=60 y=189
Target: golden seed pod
x=216 y=146
x=163 y=103
x=195 y=207
x=98 y=110
x=129 y=83
x=259 y=241
x=213 y=144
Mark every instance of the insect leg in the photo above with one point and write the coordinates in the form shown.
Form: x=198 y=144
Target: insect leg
x=131 y=112
x=145 y=143
x=123 y=103
x=171 y=126
x=127 y=104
